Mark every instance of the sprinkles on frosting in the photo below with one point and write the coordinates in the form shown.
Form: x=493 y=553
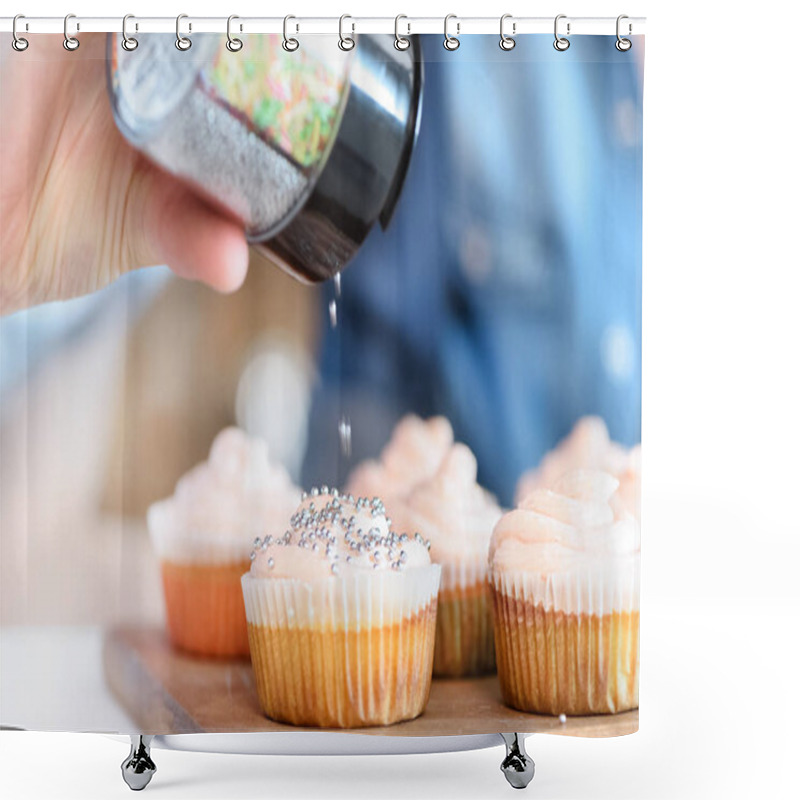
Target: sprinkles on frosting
x=324 y=527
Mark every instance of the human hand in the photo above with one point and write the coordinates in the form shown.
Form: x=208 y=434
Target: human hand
x=78 y=205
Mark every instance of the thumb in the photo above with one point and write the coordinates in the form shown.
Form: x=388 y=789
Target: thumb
x=168 y=223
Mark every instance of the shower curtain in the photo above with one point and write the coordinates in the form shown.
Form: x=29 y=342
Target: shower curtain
x=404 y=501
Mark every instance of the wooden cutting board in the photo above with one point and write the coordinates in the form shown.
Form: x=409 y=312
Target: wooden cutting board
x=166 y=691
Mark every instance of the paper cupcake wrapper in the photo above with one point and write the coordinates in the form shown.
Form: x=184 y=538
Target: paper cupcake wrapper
x=343 y=652
x=463 y=575
x=551 y=661
x=205 y=610
x=464 y=631
x=599 y=586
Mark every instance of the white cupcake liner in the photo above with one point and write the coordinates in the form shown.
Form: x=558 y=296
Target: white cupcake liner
x=343 y=652
x=566 y=643
x=462 y=575
x=351 y=602
x=586 y=588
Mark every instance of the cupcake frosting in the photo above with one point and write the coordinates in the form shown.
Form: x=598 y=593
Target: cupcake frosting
x=412 y=455
x=568 y=541
x=452 y=510
x=333 y=534
x=588 y=446
x=222 y=503
x=627 y=499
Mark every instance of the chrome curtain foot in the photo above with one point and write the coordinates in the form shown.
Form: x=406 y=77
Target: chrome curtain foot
x=517 y=766
x=138 y=768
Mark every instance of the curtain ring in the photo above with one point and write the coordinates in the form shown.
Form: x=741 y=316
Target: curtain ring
x=234 y=44
x=129 y=43
x=561 y=43
x=451 y=42
x=289 y=44
x=507 y=42
x=17 y=42
x=182 y=42
x=346 y=42
x=401 y=42
x=622 y=44
x=70 y=42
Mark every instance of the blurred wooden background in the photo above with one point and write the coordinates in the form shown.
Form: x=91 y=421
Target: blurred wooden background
x=107 y=425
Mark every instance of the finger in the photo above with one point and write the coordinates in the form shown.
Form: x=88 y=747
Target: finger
x=193 y=239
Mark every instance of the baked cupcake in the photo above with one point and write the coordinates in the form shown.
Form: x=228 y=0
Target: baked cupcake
x=341 y=614
x=588 y=446
x=412 y=455
x=564 y=572
x=203 y=536
x=457 y=516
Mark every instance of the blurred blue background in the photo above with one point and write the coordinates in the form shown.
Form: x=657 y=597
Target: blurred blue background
x=506 y=292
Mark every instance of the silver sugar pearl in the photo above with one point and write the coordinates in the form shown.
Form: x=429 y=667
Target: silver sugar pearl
x=270 y=562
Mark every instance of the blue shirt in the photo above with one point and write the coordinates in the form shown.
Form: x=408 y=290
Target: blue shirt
x=506 y=292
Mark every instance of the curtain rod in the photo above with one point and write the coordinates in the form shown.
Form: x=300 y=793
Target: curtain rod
x=301 y=25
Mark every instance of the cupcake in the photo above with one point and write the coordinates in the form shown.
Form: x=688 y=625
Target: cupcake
x=588 y=446
x=412 y=455
x=341 y=614
x=564 y=571
x=203 y=535
x=457 y=516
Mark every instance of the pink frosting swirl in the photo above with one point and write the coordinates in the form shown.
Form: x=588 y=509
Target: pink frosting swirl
x=589 y=446
x=412 y=455
x=556 y=529
x=452 y=510
x=236 y=494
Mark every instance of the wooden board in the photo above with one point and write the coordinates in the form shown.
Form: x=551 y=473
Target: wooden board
x=166 y=692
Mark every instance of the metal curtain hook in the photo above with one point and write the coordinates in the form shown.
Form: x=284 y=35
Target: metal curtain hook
x=623 y=45
x=401 y=42
x=182 y=42
x=289 y=44
x=507 y=42
x=561 y=43
x=451 y=42
x=129 y=43
x=346 y=42
x=70 y=42
x=17 y=42
x=234 y=44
